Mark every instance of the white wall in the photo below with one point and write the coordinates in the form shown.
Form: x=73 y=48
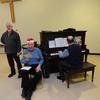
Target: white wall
x=33 y=16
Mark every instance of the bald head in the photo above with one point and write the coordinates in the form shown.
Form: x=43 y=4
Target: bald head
x=9 y=26
x=70 y=39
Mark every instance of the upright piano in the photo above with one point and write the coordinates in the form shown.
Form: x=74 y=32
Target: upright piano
x=50 y=52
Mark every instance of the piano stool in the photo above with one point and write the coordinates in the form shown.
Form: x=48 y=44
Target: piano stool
x=86 y=66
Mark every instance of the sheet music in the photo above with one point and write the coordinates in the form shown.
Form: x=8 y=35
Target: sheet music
x=58 y=42
x=61 y=42
x=65 y=42
x=51 y=44
x=26 y=68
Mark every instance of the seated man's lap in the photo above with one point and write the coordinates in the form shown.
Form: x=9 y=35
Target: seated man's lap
x=30 y=78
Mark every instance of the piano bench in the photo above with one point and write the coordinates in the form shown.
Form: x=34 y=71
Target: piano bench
x=86 y=66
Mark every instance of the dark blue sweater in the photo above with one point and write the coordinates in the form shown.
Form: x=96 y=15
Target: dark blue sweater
x=75 y=55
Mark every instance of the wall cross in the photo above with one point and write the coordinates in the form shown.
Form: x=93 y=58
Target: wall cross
x=11 y=8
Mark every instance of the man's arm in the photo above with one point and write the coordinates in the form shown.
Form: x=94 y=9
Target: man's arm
x=2 y=38
x=63 y=54
x=18 y=43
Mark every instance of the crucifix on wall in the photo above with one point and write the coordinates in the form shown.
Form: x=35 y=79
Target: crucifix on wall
x=11 y=8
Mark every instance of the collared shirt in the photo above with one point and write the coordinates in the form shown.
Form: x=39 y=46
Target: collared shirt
x=35 y=57
x=9 y=33
x=63 y=54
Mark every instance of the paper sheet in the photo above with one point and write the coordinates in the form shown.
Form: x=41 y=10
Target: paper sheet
x=26 y=68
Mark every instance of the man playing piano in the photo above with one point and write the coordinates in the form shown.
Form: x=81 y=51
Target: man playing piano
x=70 y=58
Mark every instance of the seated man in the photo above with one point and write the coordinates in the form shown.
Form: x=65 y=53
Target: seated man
x=32 y=56
x=71 y=58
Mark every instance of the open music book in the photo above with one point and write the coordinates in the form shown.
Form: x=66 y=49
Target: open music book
x=58 y=42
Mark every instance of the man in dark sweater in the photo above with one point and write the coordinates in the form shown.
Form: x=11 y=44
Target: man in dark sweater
x=71 y=58
x=12 y=44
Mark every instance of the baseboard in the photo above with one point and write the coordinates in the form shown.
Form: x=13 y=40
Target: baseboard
x=94 y=53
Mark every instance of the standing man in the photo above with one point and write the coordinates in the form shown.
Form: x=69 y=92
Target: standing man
x=12 y=43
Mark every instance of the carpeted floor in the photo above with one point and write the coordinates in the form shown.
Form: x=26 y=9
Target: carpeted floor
x=52 y=89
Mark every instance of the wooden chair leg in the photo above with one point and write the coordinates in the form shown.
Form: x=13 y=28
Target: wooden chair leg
x=85 y=74
x=93 y=74
x=68 y=78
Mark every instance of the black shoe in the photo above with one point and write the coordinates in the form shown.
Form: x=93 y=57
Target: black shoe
x=60 y=78
x=29 y=94
x=19 y=75
x=11 y=75
x=23 y=93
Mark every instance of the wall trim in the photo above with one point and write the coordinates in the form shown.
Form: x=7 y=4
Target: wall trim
x=94 y=53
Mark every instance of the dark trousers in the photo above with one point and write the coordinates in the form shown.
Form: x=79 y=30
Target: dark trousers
x=11 y=58
x=64 y=66
x=29 y=84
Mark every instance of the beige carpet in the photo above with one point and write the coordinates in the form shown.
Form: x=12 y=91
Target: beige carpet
x=51 y=89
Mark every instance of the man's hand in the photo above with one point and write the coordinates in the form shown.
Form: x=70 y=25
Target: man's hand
x=38 y=68
x=19 y=53
x=28 y=56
